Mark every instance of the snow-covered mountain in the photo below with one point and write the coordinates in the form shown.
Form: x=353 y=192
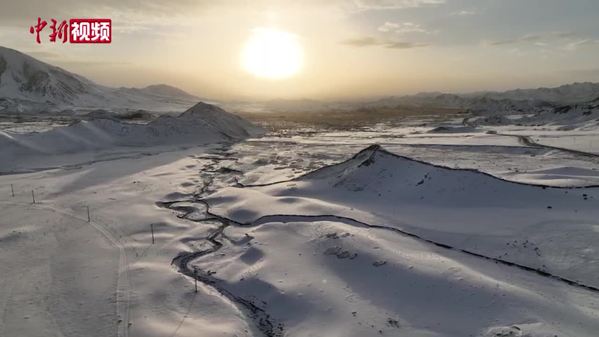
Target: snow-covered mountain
x=570 y=93
x=513 y=101
x=201 y=124
x=587 y=108
x=471 y=102
x=167 y=90
x=29 y=85
x=568 y=116
x=577 y=114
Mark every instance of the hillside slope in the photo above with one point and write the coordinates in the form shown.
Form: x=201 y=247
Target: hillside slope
x=384 y=245
x=550 y=229
x=201 y=124
x=29 y=85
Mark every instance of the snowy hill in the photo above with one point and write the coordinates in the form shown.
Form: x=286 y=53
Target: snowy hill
x=584 y=109
x=201 y=124
x=462 y=208
x=384 y=245
x=29 y=85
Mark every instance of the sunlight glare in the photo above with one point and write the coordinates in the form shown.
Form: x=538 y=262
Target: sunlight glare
x=272 y=53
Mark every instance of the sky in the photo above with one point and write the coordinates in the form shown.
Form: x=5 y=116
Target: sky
x=351 y=49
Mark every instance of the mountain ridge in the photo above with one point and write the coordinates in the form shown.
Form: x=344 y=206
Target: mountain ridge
x=512 y=101
x=28 y=84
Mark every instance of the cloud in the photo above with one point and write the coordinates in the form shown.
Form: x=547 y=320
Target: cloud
x=524 y=38
x=579 y=43
x=564 y=40
x=403 y=45
x=388 y=27
x=464 y=13
x=362 y=41
x=394 y=4
x=402 y=28
x=369 y=41
x=26 y=11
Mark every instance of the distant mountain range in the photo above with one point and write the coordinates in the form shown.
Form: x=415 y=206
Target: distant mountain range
x=29 y=84
x=519 y=100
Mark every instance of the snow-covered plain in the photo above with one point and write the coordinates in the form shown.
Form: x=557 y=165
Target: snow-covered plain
x=375 y=245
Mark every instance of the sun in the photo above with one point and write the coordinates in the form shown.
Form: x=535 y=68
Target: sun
x=271 y=53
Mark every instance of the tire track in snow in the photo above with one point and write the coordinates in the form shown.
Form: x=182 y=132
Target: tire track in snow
x=123 y=290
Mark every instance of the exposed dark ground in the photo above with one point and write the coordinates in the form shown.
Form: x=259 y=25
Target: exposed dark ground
x=348 y=119
x=331 y=120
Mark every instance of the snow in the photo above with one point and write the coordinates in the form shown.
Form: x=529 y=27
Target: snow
x=319 y=238
x=28 y=85
x=321 y=277
x=445 y=229
x=584 y=142
x=76 y=257
x=570 y=97
x=201 y=124
x=309 y=273
x=405 y=193
x=45 y=252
